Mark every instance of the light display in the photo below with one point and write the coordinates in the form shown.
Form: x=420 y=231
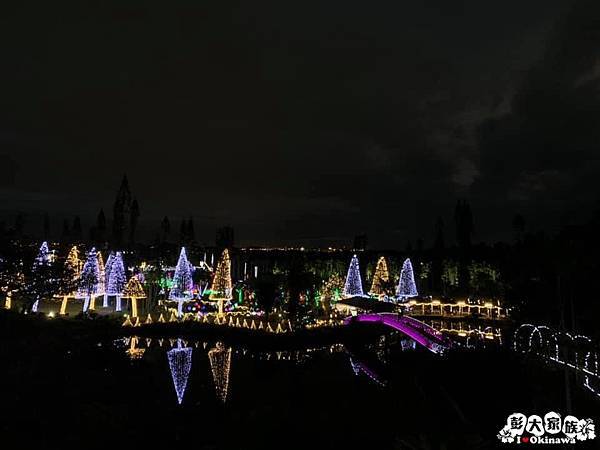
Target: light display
x=40 y=284
x=221 y=287
x=88 y=281
x=220 y=364
x=182 y=286
x=422 y=333
x=380 y=278
x=101 y=274
x=332 y=288
x=353 y=286
x=406 y=286
x=43 y=257
x=116 y=279
x=180 y=363
x=107 y=270
x=134 y=290
x=73 y=263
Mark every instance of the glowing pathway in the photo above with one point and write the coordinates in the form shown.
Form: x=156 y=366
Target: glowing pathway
x=423 y=334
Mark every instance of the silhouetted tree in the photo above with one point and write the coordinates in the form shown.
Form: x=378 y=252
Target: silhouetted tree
x=518 y=228
x=46 y=226
x=165 y=229
x=76 y=229
x=133 y=220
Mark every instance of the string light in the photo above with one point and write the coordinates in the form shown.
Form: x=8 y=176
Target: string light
x=380 y=278
x=353 y=286
x=406 y=286
x=182 y=279
x=43 y=257
x=422 y=333
x=180 y=364
x=88 y=281
x=545 y=343
x=220 y=364
x=116 y=279
x=221 y=287
x=134 y=290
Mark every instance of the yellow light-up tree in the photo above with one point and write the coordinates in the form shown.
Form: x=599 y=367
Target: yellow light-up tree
x=220 y=364
x=70 y=279
x=221 y=288
x=381 y=278
x=134 y=290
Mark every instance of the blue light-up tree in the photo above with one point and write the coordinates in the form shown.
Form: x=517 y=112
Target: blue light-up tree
x=353 y=286
x=181 y=289
x=116 y=279
x=180 y=363
x=89 y=279
x=406 y=286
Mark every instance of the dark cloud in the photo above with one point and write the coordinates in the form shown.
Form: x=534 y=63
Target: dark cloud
x=294 y=121
x=543 y=157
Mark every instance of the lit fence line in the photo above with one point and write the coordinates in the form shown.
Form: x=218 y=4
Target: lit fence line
x=459 y=309
x=557 y=347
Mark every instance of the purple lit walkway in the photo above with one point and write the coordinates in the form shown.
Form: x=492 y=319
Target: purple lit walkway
x=422 y=333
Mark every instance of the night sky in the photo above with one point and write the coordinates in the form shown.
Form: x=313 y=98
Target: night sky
x=303 y=122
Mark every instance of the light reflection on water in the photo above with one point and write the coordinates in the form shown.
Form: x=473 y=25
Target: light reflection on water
x=368 y=361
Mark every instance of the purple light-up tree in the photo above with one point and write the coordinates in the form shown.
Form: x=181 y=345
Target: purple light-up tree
x=41 y=283
x=116 y=279
x=181 y=289
x=353 y=286
x=406 y=286
x=89 y=279
x=180 y=363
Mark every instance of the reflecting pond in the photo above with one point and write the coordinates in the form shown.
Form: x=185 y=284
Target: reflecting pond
x=385 y=392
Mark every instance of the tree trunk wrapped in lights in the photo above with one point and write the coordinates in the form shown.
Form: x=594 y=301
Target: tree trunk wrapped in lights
x=406 y=286
x=221 y=288
x=107 y=270
x=380 y=279
x=101 y=285
x=134 y=290
x=353 y=286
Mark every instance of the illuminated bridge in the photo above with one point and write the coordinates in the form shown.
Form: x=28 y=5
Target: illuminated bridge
x=422 y=333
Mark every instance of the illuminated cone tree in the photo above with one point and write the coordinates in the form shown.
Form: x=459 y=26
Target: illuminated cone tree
x=182 y=283
x=116 y=279
x=353 y=286
x=107 y=269
x=89 y=279
x=381 y=278
x=134 y=290
x=406 y=286
x=180 y=363
x=221 y=288
x=220 y=364
x=70 y=277
x=41 y=283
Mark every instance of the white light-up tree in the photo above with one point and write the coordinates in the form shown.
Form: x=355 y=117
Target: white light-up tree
x=406 y=286
x=181 y=289
x=353 y=286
